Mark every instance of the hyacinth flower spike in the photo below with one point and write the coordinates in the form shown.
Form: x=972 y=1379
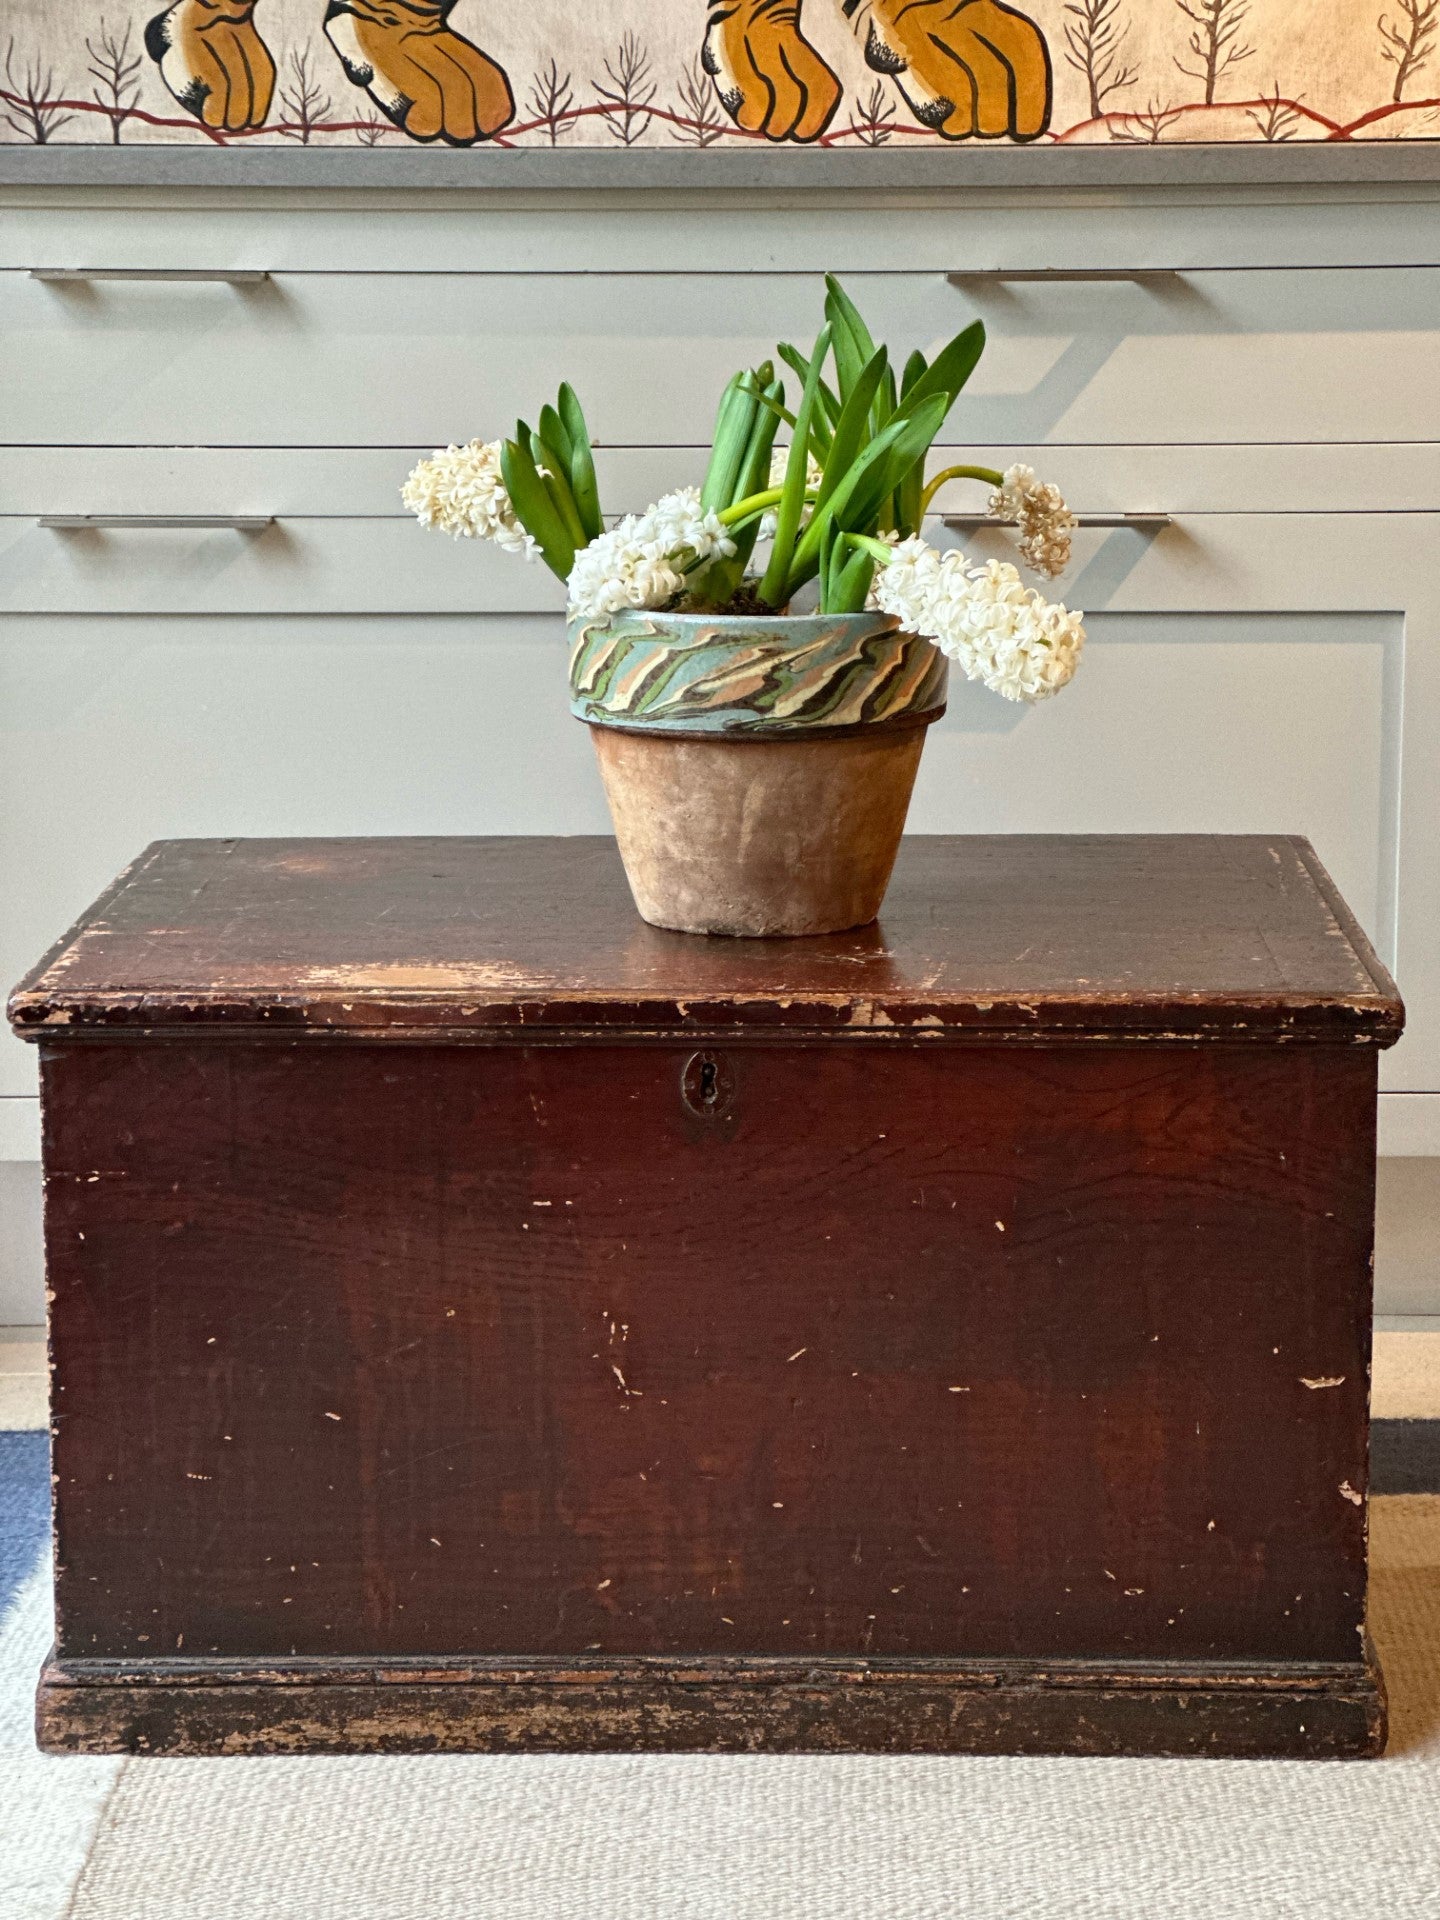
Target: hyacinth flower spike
x=983 y=617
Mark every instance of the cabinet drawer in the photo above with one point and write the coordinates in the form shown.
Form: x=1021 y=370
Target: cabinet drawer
x=354 y=359
x=342 y=543
x=364 y=482
x=348 y=565
x=750 y=235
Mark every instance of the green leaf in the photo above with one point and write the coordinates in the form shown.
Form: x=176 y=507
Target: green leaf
x=882 y=411
x=755 y=472
x=754 y=477
x=777 y=406
x=874 y=474
x=583 y=484
x=848 y=586
x=733 y=420
x=827 y=550
x=718 y=579
x=554 y=473
x=851 y=427
x=794 y=359
x=914 y=367
x=746 y=397
x=534 y=508
x=921 y=384
x=885 y=399
x=554 y=438
x=951 y=368
x=828 y=412
x=877 y=473
x=557 y=485
x=854 y=348
x=909 y=493
x=792 y=498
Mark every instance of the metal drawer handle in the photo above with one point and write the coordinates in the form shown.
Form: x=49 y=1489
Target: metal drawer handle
x=1139 y=522
x=1137 y=275
x=230 y=277
x=234 y=522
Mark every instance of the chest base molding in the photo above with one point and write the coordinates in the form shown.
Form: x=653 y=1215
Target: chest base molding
x=1314 y=1710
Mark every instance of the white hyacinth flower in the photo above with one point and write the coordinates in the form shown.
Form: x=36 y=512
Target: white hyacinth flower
x=460 y=491
x=1040 y=512
x=643 y=561
x=995 y=628
x=779 y=460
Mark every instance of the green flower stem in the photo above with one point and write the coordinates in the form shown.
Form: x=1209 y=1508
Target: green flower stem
x=757 y=504
x=776 y=408
x=877 y=549
x=932 y=487
x=747 y=509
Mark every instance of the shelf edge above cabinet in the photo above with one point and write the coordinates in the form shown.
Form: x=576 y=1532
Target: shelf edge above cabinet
x=643 y=170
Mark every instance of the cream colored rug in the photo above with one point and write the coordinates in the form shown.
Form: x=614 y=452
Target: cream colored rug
x=620 y=1838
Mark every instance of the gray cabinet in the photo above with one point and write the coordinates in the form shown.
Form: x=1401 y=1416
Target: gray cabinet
x=1267 y=660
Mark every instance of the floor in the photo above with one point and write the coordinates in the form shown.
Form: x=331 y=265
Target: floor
x=22 y=1380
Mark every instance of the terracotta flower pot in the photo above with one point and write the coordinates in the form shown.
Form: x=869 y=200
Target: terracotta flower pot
x=758 y=769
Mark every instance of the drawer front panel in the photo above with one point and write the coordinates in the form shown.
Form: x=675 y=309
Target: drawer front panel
x=362 y=567
x=749 y=236
x=324 y=566
x=310 y=483
x=322 y=359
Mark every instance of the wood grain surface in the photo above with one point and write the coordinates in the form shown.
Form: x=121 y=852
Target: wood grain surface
x=395 y=1383
x=374 y=1350
x=1233 y=935
x=716 y=1706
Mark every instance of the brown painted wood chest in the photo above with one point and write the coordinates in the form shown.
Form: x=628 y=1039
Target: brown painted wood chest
x=483 y=1321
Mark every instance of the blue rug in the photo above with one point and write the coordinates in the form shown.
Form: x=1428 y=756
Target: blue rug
x=24 y=1508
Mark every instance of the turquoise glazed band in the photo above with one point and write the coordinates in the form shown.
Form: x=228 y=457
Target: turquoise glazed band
x=743 y=673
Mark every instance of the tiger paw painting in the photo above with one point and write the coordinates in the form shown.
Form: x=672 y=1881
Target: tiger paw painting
x=962 y=67
x=717 y=74
x=429 y=82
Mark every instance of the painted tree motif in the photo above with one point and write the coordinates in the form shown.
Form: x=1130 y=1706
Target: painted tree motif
x=1407 y=41
x=114 y=69
x=629 y=92
x=1095 y=46
x=1215 y=42
x=552 y=102
x=29 y=103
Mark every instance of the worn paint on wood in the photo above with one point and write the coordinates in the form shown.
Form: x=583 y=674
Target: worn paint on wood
x=720 y=1706
x=688 y=1322
x=1233 y=936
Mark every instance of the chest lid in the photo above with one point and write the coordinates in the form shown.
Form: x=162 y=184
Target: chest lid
x=1226 y=937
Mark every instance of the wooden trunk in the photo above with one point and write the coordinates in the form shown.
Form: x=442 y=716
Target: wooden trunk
x=481 y=1320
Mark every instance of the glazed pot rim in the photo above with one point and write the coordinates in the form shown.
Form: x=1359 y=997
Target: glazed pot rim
x=740 y=625
x=759 y=733
x=791 y=674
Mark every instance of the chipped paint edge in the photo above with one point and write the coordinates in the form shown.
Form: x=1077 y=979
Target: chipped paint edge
x=716 y=1704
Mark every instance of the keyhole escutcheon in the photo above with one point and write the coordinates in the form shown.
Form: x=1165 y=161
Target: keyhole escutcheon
x=706 y=1085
